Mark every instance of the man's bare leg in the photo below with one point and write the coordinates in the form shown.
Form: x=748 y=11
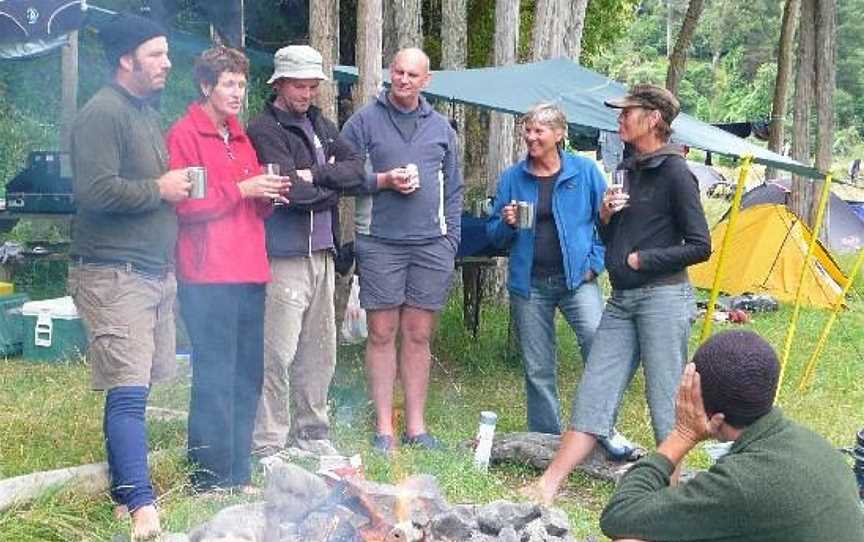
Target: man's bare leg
x=145 y=524
x=415 y=360
x=575 y=447
x=381 y=364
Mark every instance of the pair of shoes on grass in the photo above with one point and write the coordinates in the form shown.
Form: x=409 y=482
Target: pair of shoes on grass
x=386 y=444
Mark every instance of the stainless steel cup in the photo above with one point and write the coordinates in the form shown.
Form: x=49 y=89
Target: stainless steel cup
x=197 y=175
x=413 y=174
x=524 y=215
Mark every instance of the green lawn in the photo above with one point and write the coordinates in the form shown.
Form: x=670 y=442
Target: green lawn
x=49 y=419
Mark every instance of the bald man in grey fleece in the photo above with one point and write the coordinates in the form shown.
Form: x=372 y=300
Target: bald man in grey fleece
x=408 y=230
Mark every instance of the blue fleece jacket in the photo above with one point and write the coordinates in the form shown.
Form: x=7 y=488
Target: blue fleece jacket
x=431 y=211
x=576 y=201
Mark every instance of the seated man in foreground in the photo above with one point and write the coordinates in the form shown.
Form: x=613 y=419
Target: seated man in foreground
x=779 y=481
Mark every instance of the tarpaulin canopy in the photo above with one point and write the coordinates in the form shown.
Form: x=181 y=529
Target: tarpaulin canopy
x=580 y=92
x=33 y=27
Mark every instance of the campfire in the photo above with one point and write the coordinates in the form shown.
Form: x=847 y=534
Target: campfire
x=301 y=506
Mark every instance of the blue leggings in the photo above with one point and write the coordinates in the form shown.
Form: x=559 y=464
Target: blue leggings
x=126 y=446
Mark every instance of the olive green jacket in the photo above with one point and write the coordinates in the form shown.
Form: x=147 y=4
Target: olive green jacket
x=780 y=482
x=118 y=152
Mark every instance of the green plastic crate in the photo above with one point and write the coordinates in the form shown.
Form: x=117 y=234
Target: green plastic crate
x=53 y=331
x=12 y=324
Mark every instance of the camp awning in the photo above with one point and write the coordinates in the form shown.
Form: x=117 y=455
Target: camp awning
x=33 y=27
x=580 y=92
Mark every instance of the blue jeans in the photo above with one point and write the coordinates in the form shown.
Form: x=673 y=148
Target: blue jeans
x=126 y=446
x=652 y=322
x=226 y=327
x=535 y=324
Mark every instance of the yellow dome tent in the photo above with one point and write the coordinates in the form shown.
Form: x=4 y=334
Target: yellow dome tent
x=766 y=255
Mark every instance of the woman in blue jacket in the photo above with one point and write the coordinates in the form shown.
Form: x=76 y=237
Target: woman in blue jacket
x=554 y=263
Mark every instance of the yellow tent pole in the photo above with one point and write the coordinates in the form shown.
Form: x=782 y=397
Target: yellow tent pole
x=724 y=247
x=793 y=323
x=807 y=378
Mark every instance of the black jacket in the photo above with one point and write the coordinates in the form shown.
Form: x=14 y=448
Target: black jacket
x=279 y=138
x=664 y=222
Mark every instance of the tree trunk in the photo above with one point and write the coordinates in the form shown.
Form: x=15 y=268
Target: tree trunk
x=670 y=12
x=368 y=52
x=501 y=125
x=575 y=26
x=826 y=81
x=802 y=188
x=678 y=59
x=390 y=38
x=454 y=46
x=408 y=20
x=69 y=67
x=551 y=18
x=324 y=37
x=781 y=84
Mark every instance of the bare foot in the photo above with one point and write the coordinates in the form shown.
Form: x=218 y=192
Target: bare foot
x=537 y=492
x=121 y=512
x=145 y=524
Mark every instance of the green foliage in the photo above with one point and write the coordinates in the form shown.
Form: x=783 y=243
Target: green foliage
x=605 y=22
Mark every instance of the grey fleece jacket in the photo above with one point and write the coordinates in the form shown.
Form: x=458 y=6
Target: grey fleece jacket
x=433 y=210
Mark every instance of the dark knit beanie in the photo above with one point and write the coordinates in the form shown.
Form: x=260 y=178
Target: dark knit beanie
x=124 y=32
x=739 y=371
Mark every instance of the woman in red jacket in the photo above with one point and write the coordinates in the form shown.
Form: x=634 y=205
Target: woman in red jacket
x=222 y=270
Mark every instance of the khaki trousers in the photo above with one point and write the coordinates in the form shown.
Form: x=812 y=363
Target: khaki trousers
x=299 y=352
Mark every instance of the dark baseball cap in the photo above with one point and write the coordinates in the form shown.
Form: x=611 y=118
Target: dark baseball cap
x=649 y=97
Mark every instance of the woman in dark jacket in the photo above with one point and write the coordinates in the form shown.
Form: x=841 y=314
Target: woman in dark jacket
x=652 y=232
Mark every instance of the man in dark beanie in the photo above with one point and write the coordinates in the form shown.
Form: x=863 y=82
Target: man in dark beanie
x=121 y=274
x=779 y=482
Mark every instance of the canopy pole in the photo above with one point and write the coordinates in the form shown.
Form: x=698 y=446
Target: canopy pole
x=807 y=378
x=724 y=247
x=811 y=247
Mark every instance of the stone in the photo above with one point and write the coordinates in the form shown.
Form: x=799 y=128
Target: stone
x=290 y=492
x=556 y=521
x=495 y=516
x=508 y=534
x=327 y=526
x=451 y=526
x=239 y=523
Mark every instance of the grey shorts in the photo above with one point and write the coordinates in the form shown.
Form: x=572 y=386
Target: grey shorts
x=129 y=318
x=392 y=275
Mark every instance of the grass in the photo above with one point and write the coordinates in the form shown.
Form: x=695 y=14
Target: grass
x=50 y=419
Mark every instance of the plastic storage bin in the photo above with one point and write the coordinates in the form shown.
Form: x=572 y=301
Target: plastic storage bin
x=12 y=324
x=53 y=331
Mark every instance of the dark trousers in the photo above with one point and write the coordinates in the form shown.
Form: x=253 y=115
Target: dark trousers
x=126 y=446
x=226 y=326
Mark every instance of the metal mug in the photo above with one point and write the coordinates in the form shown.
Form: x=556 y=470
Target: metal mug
x=413 y=175
x=197 y=175
x=524 y=215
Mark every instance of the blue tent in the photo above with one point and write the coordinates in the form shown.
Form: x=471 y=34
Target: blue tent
x=580 y=92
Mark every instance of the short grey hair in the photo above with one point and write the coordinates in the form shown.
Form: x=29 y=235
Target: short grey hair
x=548 y=114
